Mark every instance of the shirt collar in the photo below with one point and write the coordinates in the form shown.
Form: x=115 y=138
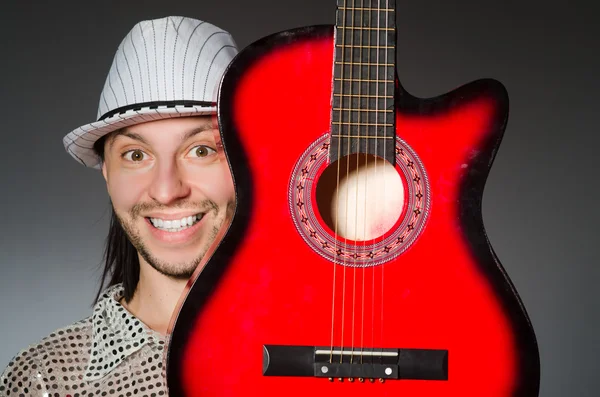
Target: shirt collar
x=116 y=334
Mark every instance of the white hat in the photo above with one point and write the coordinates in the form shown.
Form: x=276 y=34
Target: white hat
x=164 y=68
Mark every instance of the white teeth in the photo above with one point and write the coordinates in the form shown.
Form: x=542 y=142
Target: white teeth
x=176 y=225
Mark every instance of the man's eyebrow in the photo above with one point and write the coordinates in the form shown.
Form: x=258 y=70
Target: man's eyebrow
x=197 y=130
x=130 y=134
x=127 y=133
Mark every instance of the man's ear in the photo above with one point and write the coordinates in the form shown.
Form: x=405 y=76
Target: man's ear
x=104 y=173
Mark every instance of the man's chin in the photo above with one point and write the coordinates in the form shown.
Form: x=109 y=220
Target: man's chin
x=172 y=262
x=177 y=270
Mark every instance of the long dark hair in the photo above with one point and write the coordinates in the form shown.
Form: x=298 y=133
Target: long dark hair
x=121 y=263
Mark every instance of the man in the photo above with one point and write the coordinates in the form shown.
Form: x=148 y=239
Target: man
x=156 y=144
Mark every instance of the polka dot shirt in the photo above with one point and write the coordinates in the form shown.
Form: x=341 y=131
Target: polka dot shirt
x=110 y=353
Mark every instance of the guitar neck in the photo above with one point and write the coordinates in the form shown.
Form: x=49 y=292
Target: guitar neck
x=362 y=115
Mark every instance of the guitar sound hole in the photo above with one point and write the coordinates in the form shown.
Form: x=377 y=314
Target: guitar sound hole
x=360 y=197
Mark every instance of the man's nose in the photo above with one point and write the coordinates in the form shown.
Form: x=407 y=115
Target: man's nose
x=168 y=184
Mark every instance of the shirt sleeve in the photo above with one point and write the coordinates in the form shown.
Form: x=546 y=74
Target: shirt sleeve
x=25 y=375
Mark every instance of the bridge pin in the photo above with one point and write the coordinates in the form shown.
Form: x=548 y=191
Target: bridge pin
x=361 y=380
x=350 y=379
x=381 y=380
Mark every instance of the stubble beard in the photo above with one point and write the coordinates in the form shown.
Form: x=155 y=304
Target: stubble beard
x=182 y=270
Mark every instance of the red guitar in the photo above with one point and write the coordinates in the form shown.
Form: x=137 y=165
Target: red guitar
x=357 y=262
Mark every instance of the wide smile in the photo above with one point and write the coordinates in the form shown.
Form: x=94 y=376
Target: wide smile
x=175 y=230
x=176 y=225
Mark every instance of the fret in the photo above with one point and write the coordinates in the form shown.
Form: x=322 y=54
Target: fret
x=380 y=47
x=357 y=19
x=358 y=132
x=381 y=90
x=353 y=70
x=365 y=56
x=372 y=4
x=360 y=87
x=362 y=102
x=363 y=96
x=367 y=9
x=366 y=120
x=363 y=110
x=374 y=37
x=365 y=64
x=364 y=80
x=362 y=124
x=364 y=28
x=372 y=130
x=361 y=136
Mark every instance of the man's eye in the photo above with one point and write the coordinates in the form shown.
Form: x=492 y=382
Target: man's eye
x=134 y=155
x=201 y=151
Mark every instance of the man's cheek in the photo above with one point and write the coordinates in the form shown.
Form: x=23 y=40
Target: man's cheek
x=126 y=192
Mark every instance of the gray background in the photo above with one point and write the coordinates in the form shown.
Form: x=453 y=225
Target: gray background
x=539 y=203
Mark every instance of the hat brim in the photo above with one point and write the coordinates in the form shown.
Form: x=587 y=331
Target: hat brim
x=80 y=142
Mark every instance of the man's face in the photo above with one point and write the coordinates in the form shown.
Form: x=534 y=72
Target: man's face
x=171 y=190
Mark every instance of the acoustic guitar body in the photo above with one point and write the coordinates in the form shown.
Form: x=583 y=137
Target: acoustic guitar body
x=357 y=262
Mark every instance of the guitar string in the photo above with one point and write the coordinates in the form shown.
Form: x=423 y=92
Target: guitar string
x=347 y=158
x=348 y=142
x=377 y=67
x=362 y=321
x=375 y=165
x=377 y=47
x=385 y=85
x=339 y=126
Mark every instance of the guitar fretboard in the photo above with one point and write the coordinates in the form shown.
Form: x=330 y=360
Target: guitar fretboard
x=363 y=79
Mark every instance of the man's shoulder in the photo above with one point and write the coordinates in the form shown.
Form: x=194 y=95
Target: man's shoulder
x=67 y=347
x=62 y=342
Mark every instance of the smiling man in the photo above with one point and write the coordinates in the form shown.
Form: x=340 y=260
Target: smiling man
x=171 y=192
x=157 y=145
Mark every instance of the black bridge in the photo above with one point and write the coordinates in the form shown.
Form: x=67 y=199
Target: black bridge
x=356 y=363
